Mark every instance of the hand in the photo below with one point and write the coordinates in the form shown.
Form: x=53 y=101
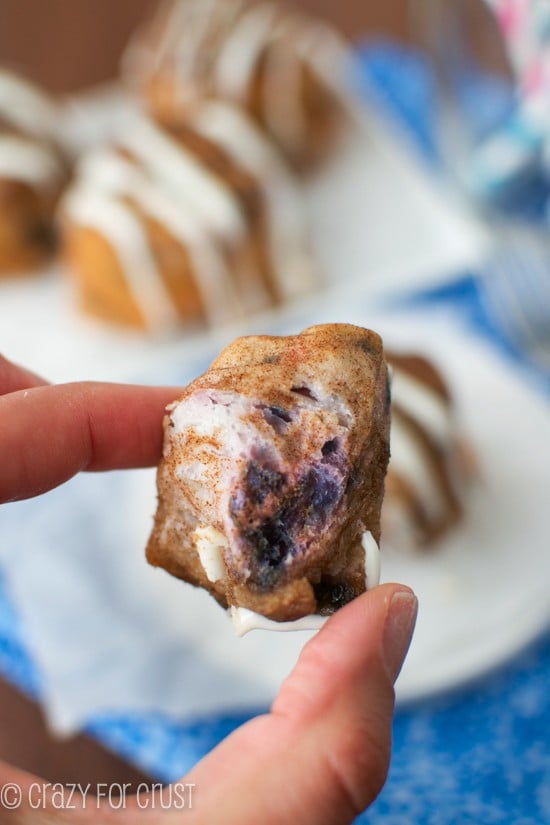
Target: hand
x=321 y=755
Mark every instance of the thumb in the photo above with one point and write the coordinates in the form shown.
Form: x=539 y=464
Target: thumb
x=321 y=756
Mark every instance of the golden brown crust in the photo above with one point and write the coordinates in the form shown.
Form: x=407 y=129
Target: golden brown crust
x=411 y=515
x=105 y=289
x=280 y=68
x=27 y=237
x=338 y=373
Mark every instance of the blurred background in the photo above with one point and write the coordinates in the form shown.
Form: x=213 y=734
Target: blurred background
x=434 y=227
x=68 y=46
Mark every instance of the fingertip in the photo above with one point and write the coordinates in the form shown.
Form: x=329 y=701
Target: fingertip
x=14 y=377
x=387 y=615
x=369 y=611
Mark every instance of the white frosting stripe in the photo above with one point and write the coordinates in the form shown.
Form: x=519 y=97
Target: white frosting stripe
x=241 y=51
x=116 y=222
x=27 y=108
x=408 y=459
x=28 y=162
x=179 y=171
x=217 y=46
x=424 y=404
x=117 y=178
x=236 y=133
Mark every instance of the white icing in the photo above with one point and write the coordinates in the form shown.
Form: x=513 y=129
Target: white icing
x=210 y=544
x=423 y=404
x=241 y=51
x=372 y=560
x=239 y=35
x=118 y=178
x=26 y=161
x=236 y=133
x=177 y=215
x=409 y=460
x=229 y=126
x=196 y=24
x=180 y=171
x=26 y=108
x=123 y=229
x=245 y=620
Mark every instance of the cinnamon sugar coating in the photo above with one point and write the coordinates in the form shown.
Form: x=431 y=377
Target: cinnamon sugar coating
x=281 y=448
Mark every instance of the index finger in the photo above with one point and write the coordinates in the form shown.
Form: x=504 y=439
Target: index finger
x=50 y=433
x=13 y=377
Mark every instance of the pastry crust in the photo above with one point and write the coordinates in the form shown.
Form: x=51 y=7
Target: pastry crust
x=431 y=467
x=34 y=169
x=273 y=62
x=279 y=453
x=27 y=236
x=185 y=226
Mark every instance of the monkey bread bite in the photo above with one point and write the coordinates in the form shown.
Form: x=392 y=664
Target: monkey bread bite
x=272 y=479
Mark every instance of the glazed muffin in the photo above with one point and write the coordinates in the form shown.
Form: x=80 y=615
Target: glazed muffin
x=272 y=479
x=284 y=68
x=33 y=171
x=190 y=225
x=431 y=468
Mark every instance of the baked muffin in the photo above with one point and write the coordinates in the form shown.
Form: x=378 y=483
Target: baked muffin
x=185 y=226
x=431 y=467
x=272 y=479
x=284 y=68
x=32 y=173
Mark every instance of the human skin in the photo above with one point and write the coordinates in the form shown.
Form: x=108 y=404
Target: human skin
x=321 y=755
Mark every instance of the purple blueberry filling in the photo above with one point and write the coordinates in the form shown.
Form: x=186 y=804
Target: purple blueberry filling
x=277 y=418
x=262 y=481
x=305 y=392
x=330 y=447
x=275 y=517
x=332 y=596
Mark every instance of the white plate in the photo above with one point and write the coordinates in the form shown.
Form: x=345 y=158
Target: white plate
x=484 y=591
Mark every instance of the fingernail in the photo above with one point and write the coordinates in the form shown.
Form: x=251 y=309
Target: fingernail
x=398 y=630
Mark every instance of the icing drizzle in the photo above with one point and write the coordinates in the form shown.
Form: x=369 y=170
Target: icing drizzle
x=157 y=176
x=27 y=143
x=218 y=45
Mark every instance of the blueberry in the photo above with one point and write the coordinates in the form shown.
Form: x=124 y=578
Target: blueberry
x=321 y=491
x=277 y=418
x=261 y=481
x=305 y=391
x=271 y=542
x=330 y=447
x=332 y=596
